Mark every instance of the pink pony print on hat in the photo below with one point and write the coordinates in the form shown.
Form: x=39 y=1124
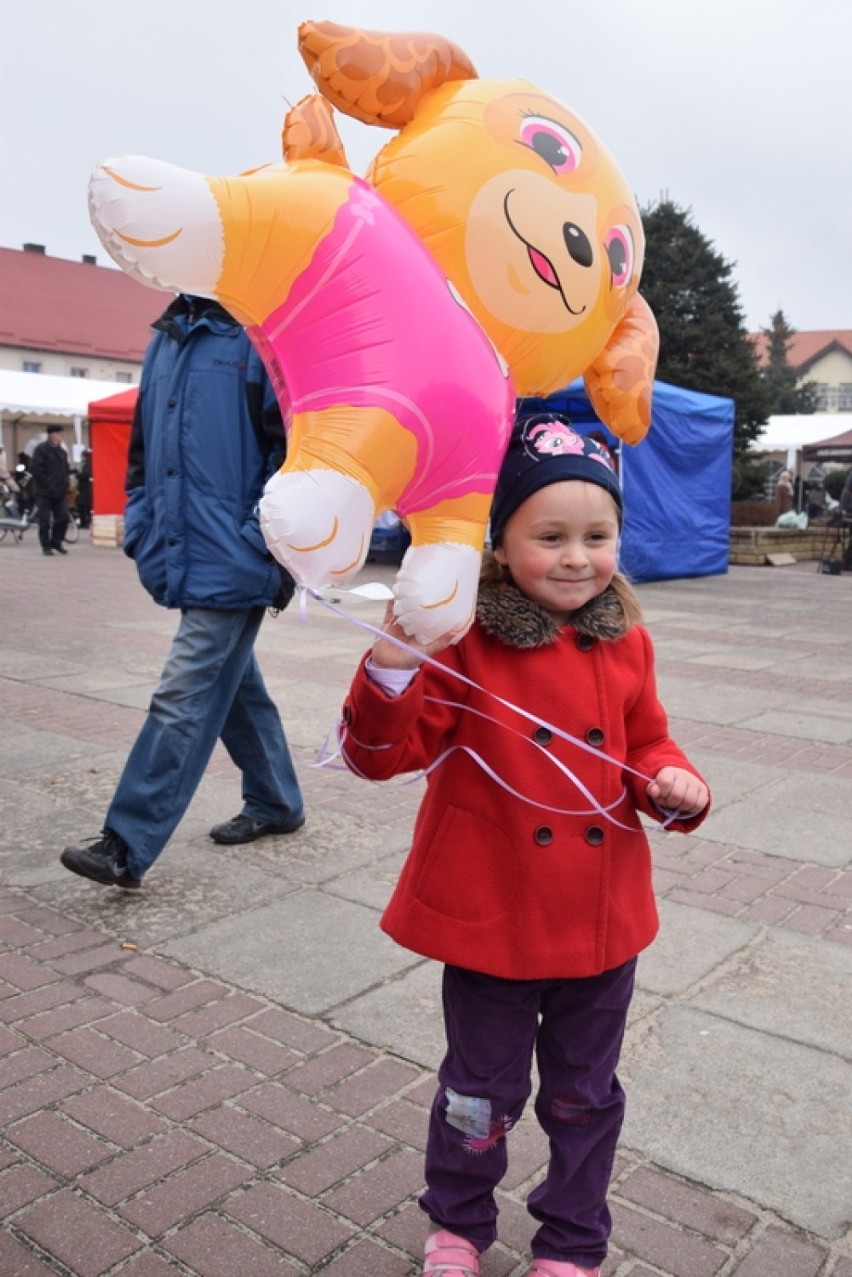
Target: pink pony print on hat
x=555 y=438
x=603 y=458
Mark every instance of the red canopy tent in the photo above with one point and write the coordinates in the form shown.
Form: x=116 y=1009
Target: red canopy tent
x=109 y=434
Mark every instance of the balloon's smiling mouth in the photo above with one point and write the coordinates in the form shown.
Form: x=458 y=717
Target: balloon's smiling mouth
x=540 y=262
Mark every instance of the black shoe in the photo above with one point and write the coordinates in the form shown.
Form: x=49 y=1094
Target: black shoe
x=244 y=829
x=47 y=552
x=103 y=860
x=59 y=549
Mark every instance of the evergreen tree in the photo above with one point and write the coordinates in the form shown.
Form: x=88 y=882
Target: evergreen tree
x=779 y=376
x=704 y=344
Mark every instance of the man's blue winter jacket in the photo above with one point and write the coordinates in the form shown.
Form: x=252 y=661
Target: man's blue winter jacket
x=207 y=434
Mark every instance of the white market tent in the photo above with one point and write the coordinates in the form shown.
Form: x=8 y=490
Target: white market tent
x=36 y=399
x=790 y=434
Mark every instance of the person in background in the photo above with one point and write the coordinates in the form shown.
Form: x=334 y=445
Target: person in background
x=816 y=502
x=206 y=436
x=845 y=513
x=84 y=488
x=785 y=493
x=846 y=496
x=5 y=474
x=51 y=477
x=24 y=480
x=529 y=874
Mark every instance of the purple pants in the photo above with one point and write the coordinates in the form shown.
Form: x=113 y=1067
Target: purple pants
x=493 y=1026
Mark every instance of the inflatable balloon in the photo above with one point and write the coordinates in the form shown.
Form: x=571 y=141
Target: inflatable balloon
x=518 y=201
x=494 y=250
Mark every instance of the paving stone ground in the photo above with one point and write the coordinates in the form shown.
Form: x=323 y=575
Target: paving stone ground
x=229 y=1072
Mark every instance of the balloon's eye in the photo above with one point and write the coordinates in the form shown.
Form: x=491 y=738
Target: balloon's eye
x=556 y=145
x=620 y=251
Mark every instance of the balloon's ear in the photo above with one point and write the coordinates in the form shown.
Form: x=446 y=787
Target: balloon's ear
x=620 y=381
x=379 y=77
x=309 y=133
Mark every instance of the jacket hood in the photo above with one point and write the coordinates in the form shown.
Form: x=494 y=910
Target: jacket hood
x=507 y=614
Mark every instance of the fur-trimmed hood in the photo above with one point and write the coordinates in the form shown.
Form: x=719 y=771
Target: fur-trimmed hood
x=503 y=611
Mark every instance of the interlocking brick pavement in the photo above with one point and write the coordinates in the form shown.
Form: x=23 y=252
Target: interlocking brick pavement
x=303 y=1156
x=158 y=1120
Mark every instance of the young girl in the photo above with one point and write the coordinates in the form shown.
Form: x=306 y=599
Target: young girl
x=529 y=874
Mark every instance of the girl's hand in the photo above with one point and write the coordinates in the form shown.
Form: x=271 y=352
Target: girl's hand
x=678 y=790
x=391 y=657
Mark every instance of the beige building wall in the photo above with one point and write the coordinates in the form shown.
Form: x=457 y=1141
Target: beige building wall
x=832 y=374
x=56 y=364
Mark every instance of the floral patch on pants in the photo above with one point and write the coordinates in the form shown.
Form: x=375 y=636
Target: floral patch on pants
x=471 y=1115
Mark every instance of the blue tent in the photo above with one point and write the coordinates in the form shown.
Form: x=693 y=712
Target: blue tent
x=676 y=483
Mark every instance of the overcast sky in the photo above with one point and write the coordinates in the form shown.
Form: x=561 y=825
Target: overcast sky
x=739 y=110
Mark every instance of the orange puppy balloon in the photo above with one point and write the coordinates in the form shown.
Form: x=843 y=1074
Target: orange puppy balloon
x=494 y=250
x=518 y=201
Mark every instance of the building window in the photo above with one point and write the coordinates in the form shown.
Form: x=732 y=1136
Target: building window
x=30 y=365
x=124 y=376
x=79 y=372
x=844 y=401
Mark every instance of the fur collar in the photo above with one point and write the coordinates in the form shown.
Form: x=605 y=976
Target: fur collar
x=503 y=611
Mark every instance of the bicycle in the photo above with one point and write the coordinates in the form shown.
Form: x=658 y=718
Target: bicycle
x=12 y=518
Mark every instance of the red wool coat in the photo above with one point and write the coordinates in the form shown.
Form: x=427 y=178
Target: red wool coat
x=495 y=883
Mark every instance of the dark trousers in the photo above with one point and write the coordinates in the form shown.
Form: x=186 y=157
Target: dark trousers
x=84 y=509
x=575 y=1028
x=52 y=521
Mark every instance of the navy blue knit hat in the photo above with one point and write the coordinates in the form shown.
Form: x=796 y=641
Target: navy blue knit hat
x=547 y=449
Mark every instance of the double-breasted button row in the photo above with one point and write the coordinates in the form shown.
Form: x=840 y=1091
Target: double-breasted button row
x=594 y=835
x=543 y=736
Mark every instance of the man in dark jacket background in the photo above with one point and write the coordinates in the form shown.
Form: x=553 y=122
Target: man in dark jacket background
x=206 y=436
x=50 y=470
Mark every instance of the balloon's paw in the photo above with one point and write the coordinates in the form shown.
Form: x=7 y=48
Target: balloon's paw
x=436 y=591
x=317 y=523
x=142 y=210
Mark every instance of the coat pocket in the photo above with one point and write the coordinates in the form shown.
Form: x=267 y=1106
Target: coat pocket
x=471 y=870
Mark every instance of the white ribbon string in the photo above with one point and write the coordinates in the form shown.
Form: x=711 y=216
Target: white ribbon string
x=328 y=760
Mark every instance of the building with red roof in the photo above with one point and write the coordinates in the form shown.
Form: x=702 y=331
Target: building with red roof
x=73 y=318
x=823 y=358
x=64 y=319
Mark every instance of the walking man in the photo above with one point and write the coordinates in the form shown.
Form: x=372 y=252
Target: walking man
x=50 y=471
x=207 y=434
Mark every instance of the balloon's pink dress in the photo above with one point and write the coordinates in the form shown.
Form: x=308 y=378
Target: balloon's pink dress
x=354 y=334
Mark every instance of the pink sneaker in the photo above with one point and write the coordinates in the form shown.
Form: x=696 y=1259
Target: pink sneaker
x=556 y=1268
x=448 y=1255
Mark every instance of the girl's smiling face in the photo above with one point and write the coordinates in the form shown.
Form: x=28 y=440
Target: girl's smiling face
x=561 y=545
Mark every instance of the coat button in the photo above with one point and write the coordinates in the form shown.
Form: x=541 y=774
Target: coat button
x=594 y=835
x=543 y=835
x=595 y=736
x=585 y=642
x=542 y=735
